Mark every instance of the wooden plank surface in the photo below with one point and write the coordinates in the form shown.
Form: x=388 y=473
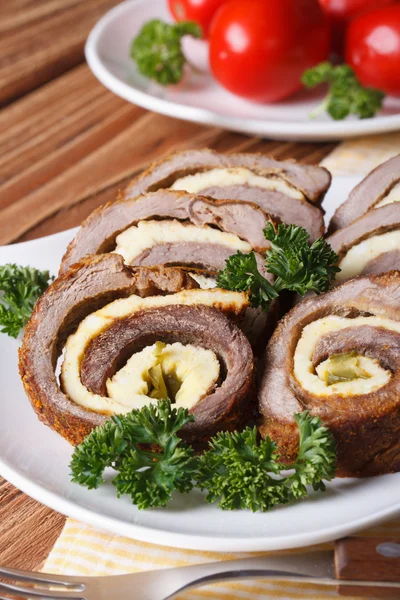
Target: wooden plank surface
x=68 y=146
x=40 y=39
x=65 y=148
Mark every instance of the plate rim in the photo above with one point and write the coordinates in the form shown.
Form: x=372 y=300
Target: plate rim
x=183 y=540
x=312 y=130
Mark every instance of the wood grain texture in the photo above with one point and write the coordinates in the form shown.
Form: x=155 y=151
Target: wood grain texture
x=41 y=39
x=66 y=146
x=357 y=559
x=28 y=530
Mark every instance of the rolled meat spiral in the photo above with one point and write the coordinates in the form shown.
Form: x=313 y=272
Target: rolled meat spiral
x=103 y=314
x=379 y=188
x=338 y=355
x=179 y=229
x=369 y=245
x=234 y=225
x=286 y=190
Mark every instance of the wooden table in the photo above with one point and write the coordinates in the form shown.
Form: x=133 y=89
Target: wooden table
x=66 y=146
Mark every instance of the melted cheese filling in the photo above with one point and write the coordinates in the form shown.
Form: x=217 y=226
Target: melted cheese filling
x=205 y=282
x=147 y=234
x=195 y=369
x=234 y=176
x=393 y=196
x=305 y=372
x=361 y=254
x=98 y=321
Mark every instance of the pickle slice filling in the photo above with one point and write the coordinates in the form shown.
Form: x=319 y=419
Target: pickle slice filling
x=343 y=367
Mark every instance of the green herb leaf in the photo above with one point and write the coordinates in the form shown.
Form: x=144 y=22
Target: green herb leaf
x=316 y=459
x=102 y=448
x=143 y=446
x=20 y=287
x=241 y=471
x=297 y=266
x=157 y=49
x=238 y=470
x=346 y=95
x=241 y=274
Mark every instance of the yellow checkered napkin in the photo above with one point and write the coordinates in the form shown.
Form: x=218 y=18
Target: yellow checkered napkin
x=84 y=550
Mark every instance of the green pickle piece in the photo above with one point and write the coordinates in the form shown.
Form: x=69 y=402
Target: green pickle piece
x=159 y=390
x=163 y=385
x=344 y=367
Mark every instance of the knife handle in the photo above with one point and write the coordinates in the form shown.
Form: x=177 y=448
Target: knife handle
x=368 y=559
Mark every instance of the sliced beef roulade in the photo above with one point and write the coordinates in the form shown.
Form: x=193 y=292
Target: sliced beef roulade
x=133 y=336
x=379 y=188
x=370 y=245
x=179 y=229
x=286 y=190
x=338 y=355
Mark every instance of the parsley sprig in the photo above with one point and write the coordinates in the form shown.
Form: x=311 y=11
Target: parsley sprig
x=346 y=95
x=298 y=267
x=20 y=287
x=157 y=49
x=143 y=447
x=238 y=470
x=241 y=471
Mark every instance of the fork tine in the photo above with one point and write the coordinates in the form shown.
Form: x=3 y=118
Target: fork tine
x=18 y=575
x=27 y=592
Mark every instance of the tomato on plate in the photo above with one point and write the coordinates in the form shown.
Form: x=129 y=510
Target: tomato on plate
x=343 y=10
x=260 y=49
x=199 y=11
x=373 y=48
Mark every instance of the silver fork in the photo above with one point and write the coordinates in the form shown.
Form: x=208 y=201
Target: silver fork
x=164 y=584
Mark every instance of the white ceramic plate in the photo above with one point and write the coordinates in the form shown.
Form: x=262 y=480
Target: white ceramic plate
x=35 y=459
x=199 y=98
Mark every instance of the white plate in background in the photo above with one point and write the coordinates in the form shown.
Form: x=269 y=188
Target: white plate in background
x=35 y=459
x=201 y=99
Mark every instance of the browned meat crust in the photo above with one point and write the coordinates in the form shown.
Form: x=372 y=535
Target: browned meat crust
x=366 y=427
x=374 y=222
x=98 y=232
x=383 y=219
x=372 y=189
x=83 y=289
x=312 y=181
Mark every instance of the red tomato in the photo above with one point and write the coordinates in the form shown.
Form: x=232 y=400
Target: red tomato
x=344 y=10
x=373 y=48
x=260 y=49
x=341 y=12
x=199 y=11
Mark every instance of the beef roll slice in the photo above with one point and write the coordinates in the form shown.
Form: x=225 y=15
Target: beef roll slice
x=179 y=229
x=338 y=355
x=128 y=337
x=369 y=245
x=288 y=191
x=379 y=188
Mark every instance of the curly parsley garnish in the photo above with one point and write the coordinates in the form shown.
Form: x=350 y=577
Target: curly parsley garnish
x=298 y=267
x=157 y=49
x=143 y=447
x=20 y=287
x=238 y=470
x=346 y=95
x=241 y=471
